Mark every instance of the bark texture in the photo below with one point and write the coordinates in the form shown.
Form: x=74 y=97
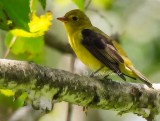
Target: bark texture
x=45 y=85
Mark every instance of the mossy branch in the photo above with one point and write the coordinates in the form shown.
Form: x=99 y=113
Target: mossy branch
x=45 y=85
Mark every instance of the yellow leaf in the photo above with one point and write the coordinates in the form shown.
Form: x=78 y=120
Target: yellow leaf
x=37 y=26
x=7 y=92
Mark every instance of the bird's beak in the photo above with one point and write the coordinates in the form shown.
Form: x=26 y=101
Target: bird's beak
x=63 y=19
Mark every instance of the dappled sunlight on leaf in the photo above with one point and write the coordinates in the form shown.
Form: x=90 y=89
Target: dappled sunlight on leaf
x=25 y=44
x=37 y=26
x=7 y=92
x=30 y=48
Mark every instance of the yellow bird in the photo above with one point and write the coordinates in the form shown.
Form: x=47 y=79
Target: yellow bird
x=96 y=49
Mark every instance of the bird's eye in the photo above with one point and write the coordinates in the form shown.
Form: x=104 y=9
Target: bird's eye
x=74 y=18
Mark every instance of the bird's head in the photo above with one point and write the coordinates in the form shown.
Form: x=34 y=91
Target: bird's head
x=75 y=19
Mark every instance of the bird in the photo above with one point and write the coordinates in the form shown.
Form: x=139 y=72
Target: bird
x=96 y=49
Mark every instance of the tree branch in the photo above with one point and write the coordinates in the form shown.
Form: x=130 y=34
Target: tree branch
x=56 y=43
x=45 y=85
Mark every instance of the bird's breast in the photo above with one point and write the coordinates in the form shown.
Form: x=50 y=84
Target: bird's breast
x=82 y=53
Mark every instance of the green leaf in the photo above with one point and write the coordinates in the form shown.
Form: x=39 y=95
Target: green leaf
x=80 y=4
x=23 y=45
x=18 y=46
x=15 y=11
x=8 y=102
x=34 y=45
x=33 y=5
x=3 y=20
x=43 y=3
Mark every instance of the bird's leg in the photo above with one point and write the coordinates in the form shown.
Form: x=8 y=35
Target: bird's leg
x=93 y=73
x=106 y=77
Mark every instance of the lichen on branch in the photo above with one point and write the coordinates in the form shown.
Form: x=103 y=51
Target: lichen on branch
x=44 y=86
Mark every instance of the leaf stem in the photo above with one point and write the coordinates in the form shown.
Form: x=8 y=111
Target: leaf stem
x=10 y=46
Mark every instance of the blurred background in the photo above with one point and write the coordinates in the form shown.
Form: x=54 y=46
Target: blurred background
x=134 y=23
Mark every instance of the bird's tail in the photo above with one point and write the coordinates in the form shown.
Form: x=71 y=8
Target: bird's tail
x=141 y=77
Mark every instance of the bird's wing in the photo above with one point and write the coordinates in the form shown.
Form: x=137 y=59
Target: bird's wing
x=103 y=49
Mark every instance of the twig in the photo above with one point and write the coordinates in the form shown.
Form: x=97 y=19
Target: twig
x=10 y=46
x=87 y=4
x=69 y=112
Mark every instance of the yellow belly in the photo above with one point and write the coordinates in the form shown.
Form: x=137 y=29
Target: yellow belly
x=87 y=58
x=84 y=55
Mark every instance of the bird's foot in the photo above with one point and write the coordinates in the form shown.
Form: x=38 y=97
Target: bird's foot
x=93 y=74
x=106 y=77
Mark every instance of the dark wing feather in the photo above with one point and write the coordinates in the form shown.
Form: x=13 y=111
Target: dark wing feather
x=103 y=49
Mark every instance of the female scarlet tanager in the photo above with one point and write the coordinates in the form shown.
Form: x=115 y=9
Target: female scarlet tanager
x=96 y=49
